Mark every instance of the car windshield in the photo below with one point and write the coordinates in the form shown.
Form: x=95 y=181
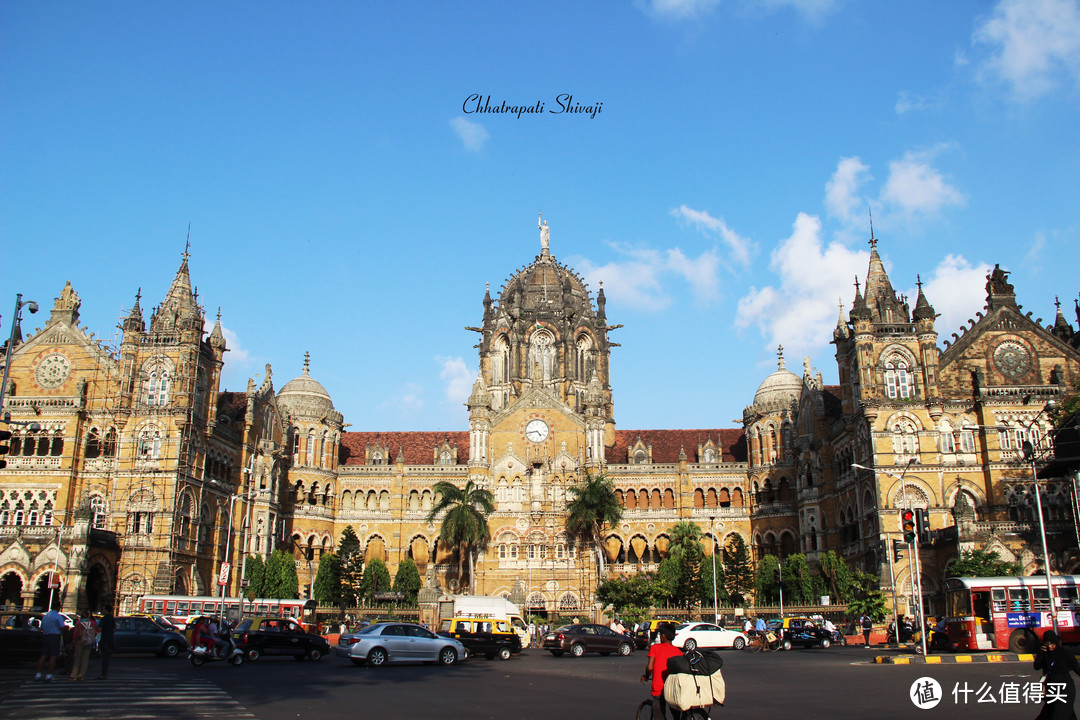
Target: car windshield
x=369 y=629
x=565 y=628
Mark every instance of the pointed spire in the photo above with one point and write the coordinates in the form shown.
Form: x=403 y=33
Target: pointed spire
x=841 y=330
x=307 y=362
x=1062 y=328
x=479 y=397
x=601 y=301
x=179 y=309
x=881 y=298
x=217 y=337
x=779 y=357
x=923 y=309
x=134 y=321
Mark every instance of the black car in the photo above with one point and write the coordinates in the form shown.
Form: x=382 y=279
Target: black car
x=136 y=634
x=274 y=636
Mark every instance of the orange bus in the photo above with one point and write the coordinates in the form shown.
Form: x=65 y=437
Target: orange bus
x=995 y=613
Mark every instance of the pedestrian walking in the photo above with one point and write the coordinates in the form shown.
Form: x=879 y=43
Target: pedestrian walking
x=106 y=630
x=86 y=631
x=52 y=625
x=867 y=625
x=1057 y=664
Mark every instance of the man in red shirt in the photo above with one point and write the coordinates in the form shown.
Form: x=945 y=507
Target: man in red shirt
x=659 y=654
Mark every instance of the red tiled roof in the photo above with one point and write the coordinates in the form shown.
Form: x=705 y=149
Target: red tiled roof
x=667 y=443
x=233 y=404
x=418 y=447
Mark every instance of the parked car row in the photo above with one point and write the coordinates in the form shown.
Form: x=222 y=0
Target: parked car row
x=20 y=636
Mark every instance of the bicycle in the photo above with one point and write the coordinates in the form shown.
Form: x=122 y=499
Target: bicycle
x=765 y=642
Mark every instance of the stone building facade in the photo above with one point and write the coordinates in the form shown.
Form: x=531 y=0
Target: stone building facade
x=131 y=472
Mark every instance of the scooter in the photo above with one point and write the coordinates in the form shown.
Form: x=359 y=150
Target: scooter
x=199 y=654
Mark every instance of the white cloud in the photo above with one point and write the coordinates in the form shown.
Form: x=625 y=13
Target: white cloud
x=457 y=379
x=914 y=187
x=813 y=10
x=407 y=401
x=906 y=102
x=801 y=313
x=842 y=199
x=705 y=223
x=638 y=280
x=473 y=135
x=678 y=9
x=238 y=362
x=1034 y=45
x=956 y=289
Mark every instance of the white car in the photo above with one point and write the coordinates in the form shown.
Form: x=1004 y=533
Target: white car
x=689 y=636
x=389 y=642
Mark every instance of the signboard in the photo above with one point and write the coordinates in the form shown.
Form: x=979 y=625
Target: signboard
x=54 y=580
x=223 y=576
x=1024 y=619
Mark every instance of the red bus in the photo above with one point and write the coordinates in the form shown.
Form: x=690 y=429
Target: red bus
x=995 y=613
x=184 y=606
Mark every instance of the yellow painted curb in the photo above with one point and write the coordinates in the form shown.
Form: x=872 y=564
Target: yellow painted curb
x=880 y=659
x=963 y=658
x=1026 y=657
x=933 y=660
x=901 y=661
x=995 y=658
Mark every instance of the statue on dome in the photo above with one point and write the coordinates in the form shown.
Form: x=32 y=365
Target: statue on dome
x=545 y=232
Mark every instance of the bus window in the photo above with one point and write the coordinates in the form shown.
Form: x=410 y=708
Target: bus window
x=170 y=607
x=1018 y=600
x=196 y=607
x=1042 y=599
x=1068 y=596
x=159 y=607
x=263 y=608
x=210 y=608
x=1001 y=602
x=958 y=603
x=980 y=605
x=181 y=608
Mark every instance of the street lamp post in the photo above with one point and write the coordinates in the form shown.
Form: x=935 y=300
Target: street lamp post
x=1028 y=452
x=715 y=605
x=16 y=322
x=226 y=567
x=914 y=561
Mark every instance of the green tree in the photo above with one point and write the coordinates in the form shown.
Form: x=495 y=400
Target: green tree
x=350 y=569
x=680 y=571
x=328 y=580
x=627 y=592
x=376 y=578
x=838 y=576
x=593 y=505
x=254 y=573
x=407 y=580
x=765 y=587
x=464 y=523
x=705 y=585
x=738 y=570
x=982 y=563
x=280 y=580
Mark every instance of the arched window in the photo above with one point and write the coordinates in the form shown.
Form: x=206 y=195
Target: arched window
x=948 y=441
x=897 y=379
x=905 y=438
x=97 y=512
x=93 y=444
x=149 y=447
x=309 y=454
x=56 y=448
x=581 y=358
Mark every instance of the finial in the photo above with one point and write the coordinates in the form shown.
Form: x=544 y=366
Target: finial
x=918 y=281
x=873 y=240
x=780 y=357
x=856 y=284
x=1057 y=303
x=307 y=362
x=219 y=313
x=138 y=295
x=840 y=304
x=187 y=245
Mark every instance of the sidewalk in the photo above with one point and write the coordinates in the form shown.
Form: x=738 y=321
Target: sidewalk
x=952 y=659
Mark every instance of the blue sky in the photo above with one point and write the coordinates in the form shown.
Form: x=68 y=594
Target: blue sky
x=343 y=202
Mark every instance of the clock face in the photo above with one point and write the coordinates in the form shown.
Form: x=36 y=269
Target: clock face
x=536 y=431
x=1012 y=359
x=52 y=371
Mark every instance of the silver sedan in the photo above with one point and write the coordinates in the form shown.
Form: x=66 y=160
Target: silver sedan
x=389 y=642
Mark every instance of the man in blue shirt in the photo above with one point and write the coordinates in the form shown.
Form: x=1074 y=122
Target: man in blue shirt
x=52 y=625
x=760 y=625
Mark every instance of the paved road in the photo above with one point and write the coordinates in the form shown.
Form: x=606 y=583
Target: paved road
x=838 y=684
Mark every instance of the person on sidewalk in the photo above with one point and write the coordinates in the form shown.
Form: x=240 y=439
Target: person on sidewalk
x=86 y=631
x=52 y=625
x=106 y=630
x=867 y=624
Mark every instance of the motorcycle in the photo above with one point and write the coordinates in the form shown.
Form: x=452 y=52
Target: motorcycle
x=199 y=654
x=838 y=638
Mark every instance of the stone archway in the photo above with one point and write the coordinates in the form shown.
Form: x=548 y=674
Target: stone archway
x=98 y=588
x=11 y=587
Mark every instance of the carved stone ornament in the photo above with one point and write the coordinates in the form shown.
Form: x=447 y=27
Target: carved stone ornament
x=1012 y=359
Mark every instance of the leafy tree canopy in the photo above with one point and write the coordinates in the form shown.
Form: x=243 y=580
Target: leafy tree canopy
x=407 y=580
x=376 y=578
x=982 y=563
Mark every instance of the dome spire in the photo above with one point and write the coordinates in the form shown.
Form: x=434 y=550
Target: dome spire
x=307 y=362
x=780 y=357
x=545 y=235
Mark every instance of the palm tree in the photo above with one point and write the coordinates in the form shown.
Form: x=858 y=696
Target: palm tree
x=593 y=506
x=464 y=525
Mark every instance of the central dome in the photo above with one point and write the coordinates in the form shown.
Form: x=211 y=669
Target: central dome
x=778 y=390
x=305 y=395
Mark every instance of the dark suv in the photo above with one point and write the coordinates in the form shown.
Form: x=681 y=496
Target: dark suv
x=580 y=639
x=260 y=636
x=136 y=633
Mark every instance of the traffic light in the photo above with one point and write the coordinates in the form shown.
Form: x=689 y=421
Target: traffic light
x=907 y=522
x=5 y=445
x=922 y=526
x=776 y=578
x=897 y=550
